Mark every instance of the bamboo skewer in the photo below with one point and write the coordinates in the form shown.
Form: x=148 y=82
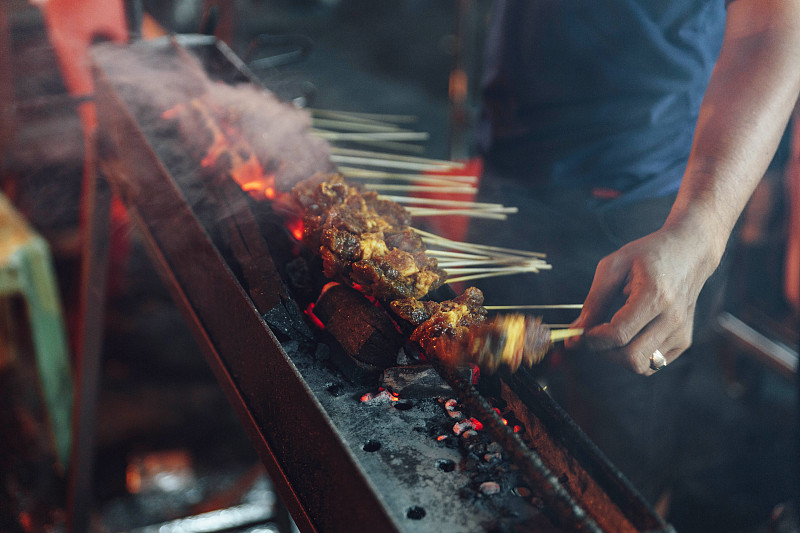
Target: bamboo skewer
x=492 y=274
x=561 y=334
x=359 y=174
x=384 y=162
x=463 y=246
x=394 y=146
x=511 y=269
x=363 y=117
x=441 y=163
x=474 y=213
x=547 y=306
x=447 y=203
x=346 y=125
x=376 y=136
x=362 y=173
x=462 y=189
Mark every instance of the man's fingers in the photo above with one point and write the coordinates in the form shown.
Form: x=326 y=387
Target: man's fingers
x=661 y=335
x=607 y=285
x=631 y=319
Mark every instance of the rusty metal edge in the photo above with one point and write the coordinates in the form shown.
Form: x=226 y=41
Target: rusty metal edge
x=318 y=478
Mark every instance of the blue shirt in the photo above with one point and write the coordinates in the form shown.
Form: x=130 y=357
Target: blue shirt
x=597 y=93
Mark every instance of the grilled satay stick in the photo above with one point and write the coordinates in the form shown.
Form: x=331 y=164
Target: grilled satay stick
x=511 y=340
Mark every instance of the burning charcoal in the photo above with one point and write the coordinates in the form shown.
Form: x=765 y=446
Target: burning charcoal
x=416 y=382
x=522 y=492
x=469 y=434
x=493 y=457
x=461 y=427
x=458 y=415
x=490 y=487
x=300 y=279
x=450 y=404
x=365 y=334
x=383 y=396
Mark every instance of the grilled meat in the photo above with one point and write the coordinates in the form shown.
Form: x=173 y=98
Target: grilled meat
x=457 y=331
x=365 y=240
x=438 y=323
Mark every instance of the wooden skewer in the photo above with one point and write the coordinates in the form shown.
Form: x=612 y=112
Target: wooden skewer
x=453 y=263
x=463 y=189
x=346 y=125
x=553 y=306
x=492 y=274
x=357 y=173
x=512 y=269
x=376 y=136
x=442 y=163
x=457 y=210
x=383 y=162
x=393 y=146
x=353 y=172
x=447 y=253
x=365 y=117
x=561 y=334
x=487 y=215
x=463 y=246
x=449 y=203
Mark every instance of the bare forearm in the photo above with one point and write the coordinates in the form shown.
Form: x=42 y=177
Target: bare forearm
x=748 y=102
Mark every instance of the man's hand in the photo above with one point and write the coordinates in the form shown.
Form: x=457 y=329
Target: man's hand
x=749 y=99
x=659 y=277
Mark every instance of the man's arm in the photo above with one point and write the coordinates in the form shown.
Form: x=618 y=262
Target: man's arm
x=747 y=104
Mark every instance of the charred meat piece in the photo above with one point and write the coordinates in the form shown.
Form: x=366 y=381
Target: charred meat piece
x=508 y=340
x=440 y=323
x=365 y=240
x=397 y=274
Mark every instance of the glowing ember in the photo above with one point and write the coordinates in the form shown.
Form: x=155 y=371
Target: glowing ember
x=490 y=487
x=381 y=397
x=226 y=140
x=477 y=424
x=450 y=404
x=441 y=437
x=296 y=228
x=517 y=429
x=309 y=312
x=461 y=427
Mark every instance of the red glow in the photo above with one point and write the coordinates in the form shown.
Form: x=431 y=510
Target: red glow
x=441 y=437
x=245 y=167
x=296 y=229
x=311 y=316
x=517 y=429
x=477 y=424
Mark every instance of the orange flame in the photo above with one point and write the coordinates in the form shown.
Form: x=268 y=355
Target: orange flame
x=226 y=140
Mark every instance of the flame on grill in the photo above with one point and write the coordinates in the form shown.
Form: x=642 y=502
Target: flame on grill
x=228 y=145
x=228 y=141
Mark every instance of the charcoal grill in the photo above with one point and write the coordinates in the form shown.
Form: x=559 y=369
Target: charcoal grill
x=339 y=461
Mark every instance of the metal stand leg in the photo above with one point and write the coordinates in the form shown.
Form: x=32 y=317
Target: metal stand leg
x=96 y=208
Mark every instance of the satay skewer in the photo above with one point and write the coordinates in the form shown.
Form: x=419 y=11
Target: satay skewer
x=543 y=306
x=438 y=164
